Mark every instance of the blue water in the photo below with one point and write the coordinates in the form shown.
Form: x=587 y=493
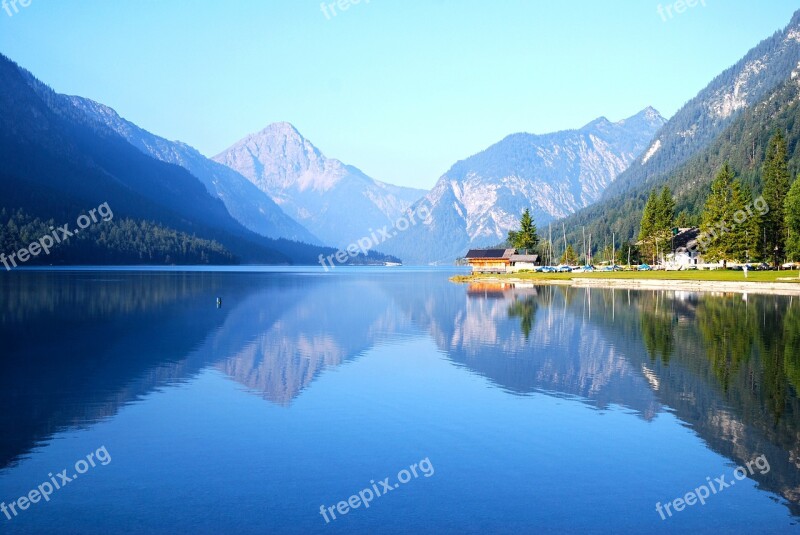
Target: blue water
x=530 y=410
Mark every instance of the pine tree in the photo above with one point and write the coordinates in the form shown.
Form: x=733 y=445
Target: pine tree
x=717 y=217
x=730 y=226
x=666 y=212
x=792 y=221
x=746 y=224
x=665 y=217
x=525 y=237
x=569 y=257
x=775 y=179
x=683 y=220
x=648 y=226
x=658 y=219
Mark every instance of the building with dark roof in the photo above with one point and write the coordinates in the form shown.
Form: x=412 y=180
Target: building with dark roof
x=521 y=262
x=490 y=260
x=686 y=249
x=500 y=260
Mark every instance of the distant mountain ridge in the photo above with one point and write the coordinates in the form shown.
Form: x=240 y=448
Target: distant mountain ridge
x=336 y=202
x=55 y=164
x=59 y=160
x=481 y=198
x=244 y=202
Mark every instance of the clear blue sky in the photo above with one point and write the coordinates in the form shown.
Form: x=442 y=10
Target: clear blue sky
x=400 y=88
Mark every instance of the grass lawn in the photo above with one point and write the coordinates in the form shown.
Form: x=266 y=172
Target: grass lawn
x=698 y=275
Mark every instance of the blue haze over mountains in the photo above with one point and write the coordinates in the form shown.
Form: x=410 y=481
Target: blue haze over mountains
x=274 y=197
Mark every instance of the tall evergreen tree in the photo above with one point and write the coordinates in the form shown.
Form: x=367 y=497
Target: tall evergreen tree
x=730 y=229
x=775 y=179
x=666 y=212
x=658 y=219
x=665 y=219
x=628 y=253
x=525 y=237
x=792 y=221
x=683 y=220
x=570 y=257
x=649 y=225
x=746 y=225
x=717 y=217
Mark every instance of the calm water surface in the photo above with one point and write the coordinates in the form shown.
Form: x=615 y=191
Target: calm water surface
x=521 y=409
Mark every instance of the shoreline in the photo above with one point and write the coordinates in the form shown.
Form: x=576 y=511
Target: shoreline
x=742 y=287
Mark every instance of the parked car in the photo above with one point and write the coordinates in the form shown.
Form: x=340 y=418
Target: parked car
x=644 y=267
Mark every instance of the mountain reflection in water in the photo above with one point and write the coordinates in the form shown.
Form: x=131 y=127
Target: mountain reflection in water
x=78 y=346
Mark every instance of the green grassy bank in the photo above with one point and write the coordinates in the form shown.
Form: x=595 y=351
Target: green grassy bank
x=695 y=275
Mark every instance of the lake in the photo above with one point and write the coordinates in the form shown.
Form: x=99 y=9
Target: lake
x=391 y=400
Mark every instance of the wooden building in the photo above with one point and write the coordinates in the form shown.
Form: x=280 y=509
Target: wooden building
x=490 y=260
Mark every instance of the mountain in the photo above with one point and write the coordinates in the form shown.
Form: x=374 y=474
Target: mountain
x=742 y=144
x=481 y=198
x=705 y=116
x=246 y=203
x=336 y=202
x=59 y=162
x=695 y=132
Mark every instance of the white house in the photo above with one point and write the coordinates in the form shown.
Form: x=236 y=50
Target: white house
x=687 y=250
x=523 y=261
